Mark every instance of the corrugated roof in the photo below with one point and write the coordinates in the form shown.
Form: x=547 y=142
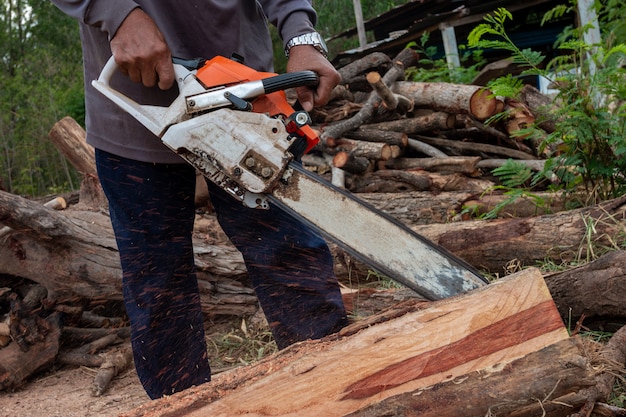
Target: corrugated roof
x=394 y=29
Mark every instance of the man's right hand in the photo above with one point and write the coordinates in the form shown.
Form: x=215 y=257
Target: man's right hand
x=141 y=52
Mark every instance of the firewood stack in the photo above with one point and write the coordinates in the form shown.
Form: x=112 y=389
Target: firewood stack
x=382 y=133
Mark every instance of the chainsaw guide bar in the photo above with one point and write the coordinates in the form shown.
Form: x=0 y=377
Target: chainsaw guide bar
x=373 y=237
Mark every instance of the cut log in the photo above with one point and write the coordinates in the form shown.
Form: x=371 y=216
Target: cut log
x=507 y=207
x=541 y=106
x=476 y=147
x=405 y=59
x=377 y=151
x=113 y=364
x=17 y=365
x=594 y=290
x=426 y=149
x=534 y=383
x=371 y=62
x=352 y=163
x=364 y=115
x=519 y=119
x=474 y=100
x=69 y=138
x=426 y=123
x=463 y=164
x=451 y=342
x=561 y=237
x=420 y=180
x=389 y=137
x=74 y=254
x=390 y=181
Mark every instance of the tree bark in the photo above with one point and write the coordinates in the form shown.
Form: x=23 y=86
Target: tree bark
x=594 y=290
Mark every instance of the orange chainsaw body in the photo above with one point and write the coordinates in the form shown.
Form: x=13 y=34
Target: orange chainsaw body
x=224 y=72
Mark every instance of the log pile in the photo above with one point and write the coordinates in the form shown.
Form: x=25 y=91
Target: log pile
x=418 y=151
x=382 y=133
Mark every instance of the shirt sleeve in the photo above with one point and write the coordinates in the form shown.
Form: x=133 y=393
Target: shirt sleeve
x=291 y=17
x=107 y=15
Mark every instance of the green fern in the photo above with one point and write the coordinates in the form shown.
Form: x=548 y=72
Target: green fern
x=493 y=35
x=513 y=174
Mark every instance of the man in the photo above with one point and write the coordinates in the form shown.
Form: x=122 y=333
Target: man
x=151 y=191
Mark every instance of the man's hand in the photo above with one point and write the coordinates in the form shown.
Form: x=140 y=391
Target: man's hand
x=141 y=52
x=306 y=57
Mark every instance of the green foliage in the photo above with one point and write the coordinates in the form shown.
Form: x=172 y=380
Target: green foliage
x=588 y=143
x=493 y=35
x=507 y=86
x=432 y=69
x=41 y=78
x=612 y=21
x=516 y=181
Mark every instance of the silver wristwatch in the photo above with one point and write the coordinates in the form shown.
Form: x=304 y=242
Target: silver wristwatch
x=313 y=38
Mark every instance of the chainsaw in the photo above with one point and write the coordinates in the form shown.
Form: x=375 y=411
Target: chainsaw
x=235 y=125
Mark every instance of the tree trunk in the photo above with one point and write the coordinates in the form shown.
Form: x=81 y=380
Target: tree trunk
x=509 y=331
x=595 y=290
x=74 y=254
x=560 y=237
x=69 y=138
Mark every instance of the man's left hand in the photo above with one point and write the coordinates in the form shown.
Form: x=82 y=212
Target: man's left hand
x=307 y=58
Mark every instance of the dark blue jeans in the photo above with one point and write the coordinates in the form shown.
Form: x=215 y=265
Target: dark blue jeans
x=152 y=212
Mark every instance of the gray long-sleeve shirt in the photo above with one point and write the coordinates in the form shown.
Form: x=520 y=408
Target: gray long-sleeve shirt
x=192 y=28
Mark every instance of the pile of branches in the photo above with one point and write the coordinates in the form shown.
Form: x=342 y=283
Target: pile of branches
x=382 y=133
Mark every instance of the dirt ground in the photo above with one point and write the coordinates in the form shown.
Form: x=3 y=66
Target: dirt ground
x=67 y=393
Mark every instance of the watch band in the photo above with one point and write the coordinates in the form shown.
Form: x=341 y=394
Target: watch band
x=313 y=38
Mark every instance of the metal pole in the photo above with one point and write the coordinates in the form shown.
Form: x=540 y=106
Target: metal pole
x=360 y=25
x=587 y=15
x=450 y=46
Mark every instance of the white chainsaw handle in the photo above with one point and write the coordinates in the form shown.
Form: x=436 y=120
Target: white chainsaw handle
x=155 y=118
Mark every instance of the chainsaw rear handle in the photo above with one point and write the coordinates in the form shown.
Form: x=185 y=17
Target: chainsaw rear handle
x=155 y=118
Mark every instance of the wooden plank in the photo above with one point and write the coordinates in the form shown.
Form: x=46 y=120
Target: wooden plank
x=491 y=326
